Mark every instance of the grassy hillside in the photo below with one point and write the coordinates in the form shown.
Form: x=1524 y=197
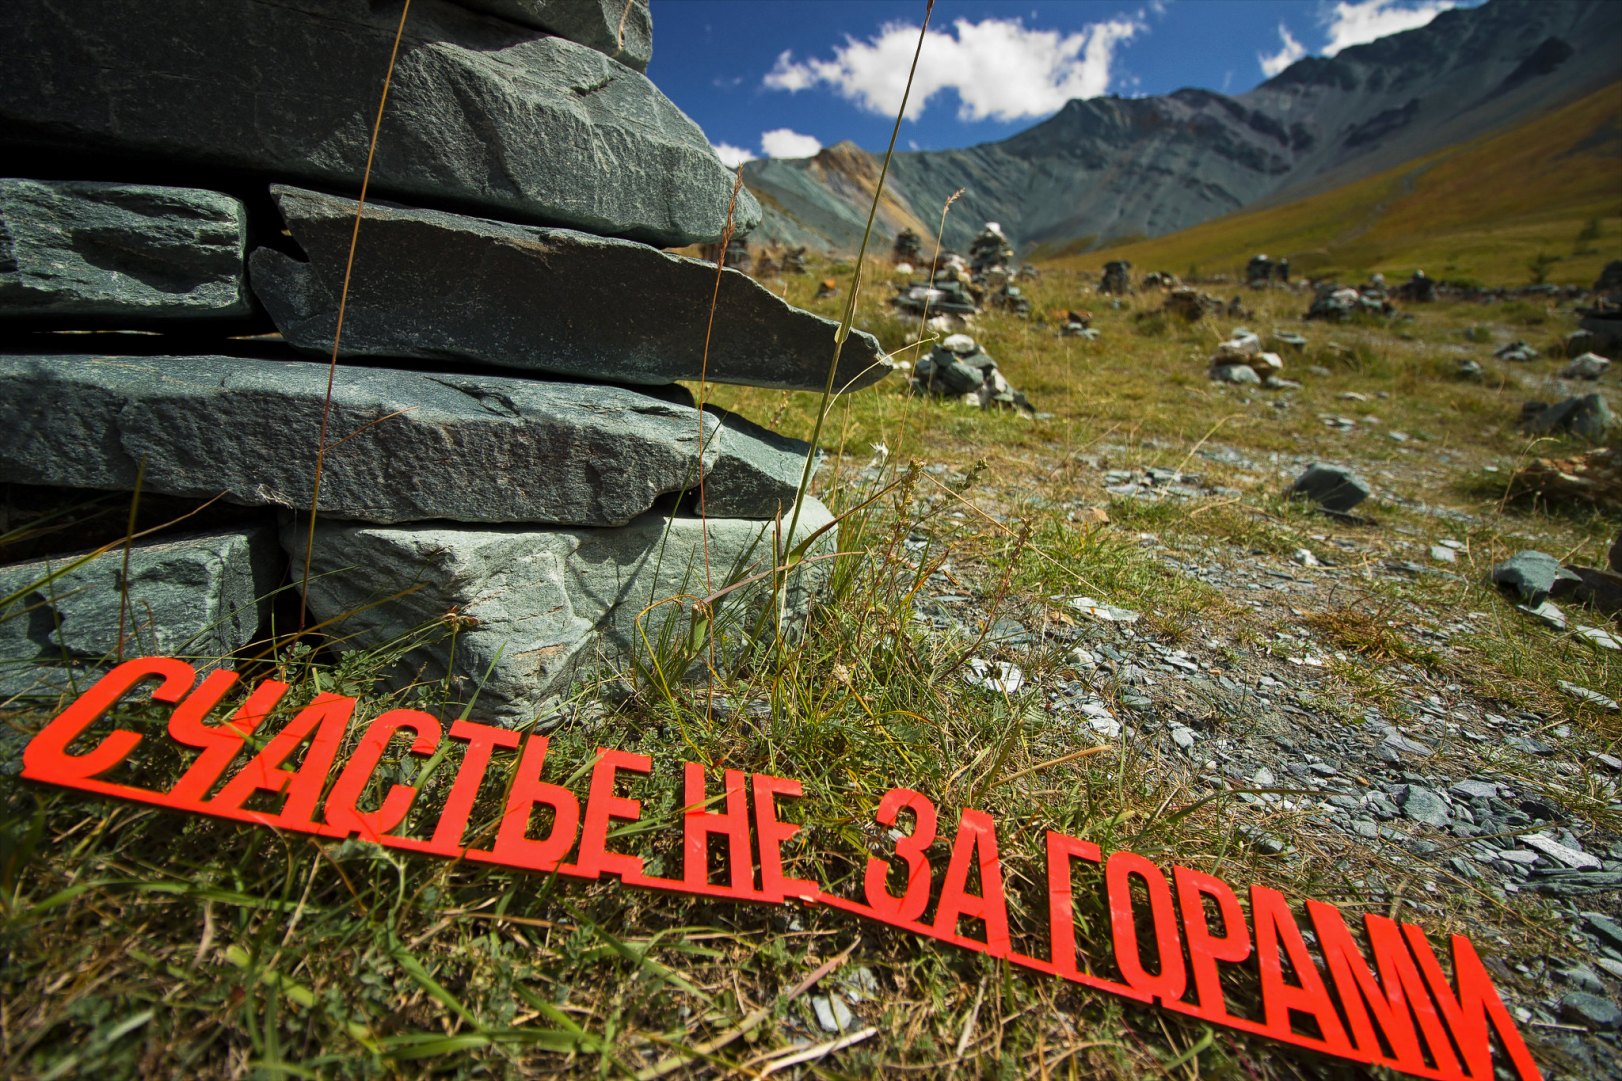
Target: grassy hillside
x=1482 y=210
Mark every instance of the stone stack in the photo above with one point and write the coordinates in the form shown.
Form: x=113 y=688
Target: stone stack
x=959 y=369
x=1241 y=359
x=1116 y=280
x=511 y=468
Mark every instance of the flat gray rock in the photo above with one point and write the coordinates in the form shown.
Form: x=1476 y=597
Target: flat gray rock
x=482 y=113
x=123 y=254
x=447 y=287
x=538 y=607
x=1530 y=575
x=203 y=596
x=406 y=446
x=1331 y=487
x=1565 y=855
x=754 y=468
x=622 y=29
x=1587 y=417
x=1424 y=805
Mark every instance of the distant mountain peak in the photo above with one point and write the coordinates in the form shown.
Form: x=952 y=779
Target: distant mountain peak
x=1108 y=168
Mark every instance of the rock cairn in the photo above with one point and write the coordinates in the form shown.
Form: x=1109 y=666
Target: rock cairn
x=1241 y=359
x=1337 y=303
x=1116 y=281
x=959 y=369
x=510 y=463
x=909 y=248
x=991 y=257
x=1191 y=305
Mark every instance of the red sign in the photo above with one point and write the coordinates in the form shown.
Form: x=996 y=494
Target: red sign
x=1392 y=1006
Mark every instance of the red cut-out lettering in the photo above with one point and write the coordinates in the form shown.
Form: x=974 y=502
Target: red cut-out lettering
x=911 y=847
x=1470 y=1006
x=219 y=743
x=698 y=825
x=1061 y=850
x=1277 y=937
x=1381 y=1009
x=46 y=757
x=976 y=844
x=481 y=740
x=342 y=812
x=772 y=833
x=602 y=806
x=1168 y=983
x=513 y=844
x=325 y=719
x=1206 y=948
x=1402 y=1012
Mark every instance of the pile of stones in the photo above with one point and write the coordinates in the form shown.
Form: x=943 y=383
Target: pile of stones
x=793 y=261
x=1420 y=288
x=947 y=302
x=1261 y=270
x=1074 y=324
x=1116 y=280
x=991 y=257
x=909 y=248
x=1192 y=305
x=509 y=460
x=1336 y=303
x=959 y=369
x=1241 y=359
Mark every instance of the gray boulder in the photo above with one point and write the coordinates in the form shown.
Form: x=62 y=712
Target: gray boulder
x=405 y=446
x=1531 y=575
x=622 y=29
x=1587 y=366
x=203 y=596
x=446 y=287
x=1235 y=373
x=127 y=254
x=536 y=608
x=482 y=113
x=1587 y=417
x=1331 y=487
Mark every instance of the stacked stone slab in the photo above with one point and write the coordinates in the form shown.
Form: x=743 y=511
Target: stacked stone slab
x=511 y=463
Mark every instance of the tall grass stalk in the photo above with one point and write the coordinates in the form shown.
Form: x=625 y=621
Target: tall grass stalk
x=343 y=301
x=855 y=289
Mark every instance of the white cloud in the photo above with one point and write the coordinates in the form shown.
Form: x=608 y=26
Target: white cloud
x=787 y=143
x=1354 y=22
x=731 y=156
x=998 y=68
x=1291 y=52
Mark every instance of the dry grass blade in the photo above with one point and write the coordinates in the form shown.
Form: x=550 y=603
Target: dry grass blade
x=343 y=301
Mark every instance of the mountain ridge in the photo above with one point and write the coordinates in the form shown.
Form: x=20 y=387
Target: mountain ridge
x=1109 y=169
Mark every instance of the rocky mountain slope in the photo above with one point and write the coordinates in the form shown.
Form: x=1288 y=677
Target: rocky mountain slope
x=1113 y=168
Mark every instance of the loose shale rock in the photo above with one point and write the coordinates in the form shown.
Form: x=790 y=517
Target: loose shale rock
x=410 y=446
x=128 y=254
x=1331 y=487
x=203 y=596
x=448 y=287
x=534 y=607
x=481 y=113
x=622 y=29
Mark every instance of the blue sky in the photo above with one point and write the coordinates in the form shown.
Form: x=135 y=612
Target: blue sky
x=781 y=78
